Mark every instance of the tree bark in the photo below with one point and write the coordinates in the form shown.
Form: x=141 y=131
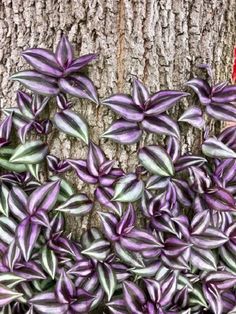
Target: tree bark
x=159 y=41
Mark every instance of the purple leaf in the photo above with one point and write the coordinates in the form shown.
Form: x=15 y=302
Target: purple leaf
x=134 y=297
x=79 y=86
x=222 y=111
x=95 y=159
x=202 y=89
x=125 y=107
x=65 y=289
x=211 y=238
x=193 y=116
x=85 y=300
x=44 y=197
x=64 y=52
x=8 y=295
x=104 y=195
x=222 y=280
x=173 y=148
x=213 y=297
x=80 y=63
x=5 y=130
x=37 y=82
x=45 y=302
x=225 y=95
x=27 y=234
x=98 y=250
x=140 y=93
x=161 y=124
x=220 y=199
x=127 y=221
x=81 y=169
x=162 y=101
x=214 y=148
x=123 y=132
x=44 y=61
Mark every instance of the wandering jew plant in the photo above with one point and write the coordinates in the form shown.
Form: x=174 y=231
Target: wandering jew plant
x=167 y=241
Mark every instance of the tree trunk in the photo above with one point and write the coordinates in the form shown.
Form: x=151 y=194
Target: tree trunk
x=159 y=41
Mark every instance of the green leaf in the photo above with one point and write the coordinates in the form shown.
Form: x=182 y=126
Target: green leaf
x=156 y=160
x=49 y=261
x=4 y=192
x=79 y=205
x=30 y=153
x=107 y=279
x=72 y=124
x=10 y=280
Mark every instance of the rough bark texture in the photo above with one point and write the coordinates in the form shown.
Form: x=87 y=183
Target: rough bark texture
x=160 y=41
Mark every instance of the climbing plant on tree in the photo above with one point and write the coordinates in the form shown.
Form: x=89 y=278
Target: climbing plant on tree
x=182 y=261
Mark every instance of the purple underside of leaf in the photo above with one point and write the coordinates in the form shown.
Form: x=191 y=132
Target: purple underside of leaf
x=226 y=95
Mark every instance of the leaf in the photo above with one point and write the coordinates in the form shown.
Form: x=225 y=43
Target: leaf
x=72 y=124
x=37 y=82
x=130 y=258
x=98 y=250
x=202 y=89
x=211 y=238
x=78 y=204
x=10 y=280
x=162 y=101
x=213 y=297
x=49 y=261
x=46 y=302
x=64 y=52
x=8 y=295
x=65 y=289
x=18 y=202
x=82 y=172
x=193 y=116
x=27 y=234
x=128 y=189
x=95 y=159
x=134 y=297
x=140 y=93
x=127 y=221
x=222 y=280
x=30 y=153
x=139 y=241
x=219 y=199
x=124 y=105
x=161 y=124
x=156 y=160
x=123 y=132
x=79 y=86
x=107 y=279
x=66 y=190
x=80 y=63
x=7 y=229
x=222 y=111
x=44 y=197
x=43 y=61
x=104 y=195
x=214 y=148
x=203 y=259
x=187 y=161
x=4 y=192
